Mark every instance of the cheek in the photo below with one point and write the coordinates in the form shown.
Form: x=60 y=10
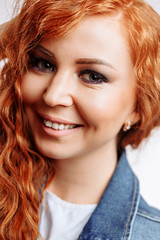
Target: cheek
x=105 y=108
x=31 y=88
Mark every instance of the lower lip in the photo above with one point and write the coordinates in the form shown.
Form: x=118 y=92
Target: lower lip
x=57 y=133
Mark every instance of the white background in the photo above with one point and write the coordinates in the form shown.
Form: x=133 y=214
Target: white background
x=145 y=160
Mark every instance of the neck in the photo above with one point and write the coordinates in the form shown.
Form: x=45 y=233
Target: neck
x=84 y=179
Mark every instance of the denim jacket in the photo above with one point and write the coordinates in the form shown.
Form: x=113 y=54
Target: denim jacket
x=122 y=214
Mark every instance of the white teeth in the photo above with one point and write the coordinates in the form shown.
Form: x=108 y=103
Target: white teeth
x=48 y=123
x=66 y=126
x=57 y=126
x=71 y=126
x=61 y=127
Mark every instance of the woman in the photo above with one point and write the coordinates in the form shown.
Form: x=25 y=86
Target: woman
x=80 y=82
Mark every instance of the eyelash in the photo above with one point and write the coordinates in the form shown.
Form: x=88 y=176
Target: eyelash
x=93 y=77
x=88 y=75
x=36 y=61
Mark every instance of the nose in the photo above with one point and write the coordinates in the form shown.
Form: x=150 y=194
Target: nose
x=59 y=91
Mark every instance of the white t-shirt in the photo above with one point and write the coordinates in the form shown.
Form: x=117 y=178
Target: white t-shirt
x=61 y=220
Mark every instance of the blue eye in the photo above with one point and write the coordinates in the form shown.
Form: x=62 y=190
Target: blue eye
x=41 y=64
x=92 y=77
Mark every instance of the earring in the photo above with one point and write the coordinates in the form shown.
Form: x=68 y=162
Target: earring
x=127 y=126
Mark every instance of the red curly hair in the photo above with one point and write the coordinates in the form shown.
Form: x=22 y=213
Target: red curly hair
x=24 y=173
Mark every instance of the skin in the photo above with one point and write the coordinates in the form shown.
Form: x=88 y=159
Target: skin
x=58 y=89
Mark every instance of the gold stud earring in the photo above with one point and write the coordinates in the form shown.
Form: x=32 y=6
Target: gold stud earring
x=127 y=126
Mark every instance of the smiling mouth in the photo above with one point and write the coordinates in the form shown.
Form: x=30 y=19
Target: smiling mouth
x=59 y=126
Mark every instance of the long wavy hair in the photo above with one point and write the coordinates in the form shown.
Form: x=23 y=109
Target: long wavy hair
x=24 y=173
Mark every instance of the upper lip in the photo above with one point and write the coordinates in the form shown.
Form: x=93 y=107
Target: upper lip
x=57 y=120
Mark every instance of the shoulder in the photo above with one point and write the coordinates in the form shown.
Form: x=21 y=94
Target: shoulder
x=147 y=222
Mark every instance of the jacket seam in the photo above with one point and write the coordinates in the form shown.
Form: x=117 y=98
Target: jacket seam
x=149 y=217
x=131 y=211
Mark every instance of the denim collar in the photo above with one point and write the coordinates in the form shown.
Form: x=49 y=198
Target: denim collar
x=114 y=216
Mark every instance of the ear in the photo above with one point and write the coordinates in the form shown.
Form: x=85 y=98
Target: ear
x=132 y=119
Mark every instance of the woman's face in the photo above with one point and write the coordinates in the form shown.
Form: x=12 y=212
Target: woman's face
x=80 y=90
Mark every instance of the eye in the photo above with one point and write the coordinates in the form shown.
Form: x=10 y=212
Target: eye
x=92 y=77
x=41 y=64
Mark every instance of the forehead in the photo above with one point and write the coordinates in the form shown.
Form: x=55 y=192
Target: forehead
x=101 y=37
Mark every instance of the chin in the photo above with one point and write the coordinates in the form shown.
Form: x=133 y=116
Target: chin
x=52 y=154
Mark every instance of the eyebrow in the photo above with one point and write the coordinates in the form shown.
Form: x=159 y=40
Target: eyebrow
x=45 y=51
x=90 y=61
x=94 y=61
